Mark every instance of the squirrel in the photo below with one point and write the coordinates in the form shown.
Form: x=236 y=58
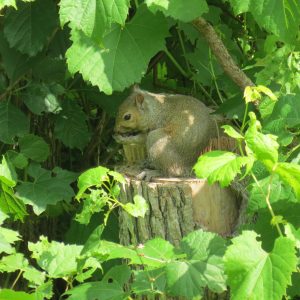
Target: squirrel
x=175 y=129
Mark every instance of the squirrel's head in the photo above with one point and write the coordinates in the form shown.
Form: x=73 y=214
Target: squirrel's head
x=129 y=119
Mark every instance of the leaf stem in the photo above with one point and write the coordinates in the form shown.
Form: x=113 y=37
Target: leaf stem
x=244 y=118
x=136 y=2
x=16 y=280
x=183 y=49
x=176 y=64
x=268 y=198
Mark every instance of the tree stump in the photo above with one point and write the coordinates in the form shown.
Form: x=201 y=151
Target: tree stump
x=177 y=206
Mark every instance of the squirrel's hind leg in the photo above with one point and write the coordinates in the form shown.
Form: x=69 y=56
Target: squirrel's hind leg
x=164 y=155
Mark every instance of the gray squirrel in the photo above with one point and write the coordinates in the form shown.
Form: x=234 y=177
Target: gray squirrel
x=174 y=128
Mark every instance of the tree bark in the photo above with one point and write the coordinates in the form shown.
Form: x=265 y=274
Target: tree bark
x=177 y=206
x=222 y=54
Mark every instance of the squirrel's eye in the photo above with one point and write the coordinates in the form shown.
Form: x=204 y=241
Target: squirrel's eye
x=127 y=117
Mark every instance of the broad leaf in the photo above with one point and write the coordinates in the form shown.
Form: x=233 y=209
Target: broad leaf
x=290 y=173
x=93 y=17
x=70 y=125
x=118 y=274
x=12 y=122
x=264 y=146
x=278 y=191
x=28 y=28
x=47 y=188
x=96 y=291
x=17 y=159
x=155 y=253
x=13 y=262
x=230 y=131
x=8 y=174
x=34 y=147
x=51 y=257
x=94 y=202
x=125 y=54
x=182 y=10
x=279 y=17
x=286 y=114
x=149 y=282
x=203 y=267
x=10 y=204
x=41 y=98
x=257 y=274
x=293 y=233
x=220 y=166
x=7 y=238
x=138 y=208
x=34 y=276
x=14 y=63
x=91 y=177
x=50 y=69
x=8 y=3
x=7 y=294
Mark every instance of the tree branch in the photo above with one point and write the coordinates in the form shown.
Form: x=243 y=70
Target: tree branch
x=222 y=54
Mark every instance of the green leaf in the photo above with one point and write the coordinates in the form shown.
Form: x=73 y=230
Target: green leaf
x=7 y=238
x=93 y=203
x=118 y=274
x=182 y=10
x=28 y=28
x=13 y=122
x=155 y=253
x=93 y=240
x=113 y=67
x=91 y=177
x=45 y=291
x=278 y=192
x=108 y=250
x=285 y=115
x=95 y=291
x=41 y=98
x=34 y=276
x=8 y=174
x=138 y=208
x=17 y=159
x=50 y=69
x=34 y=147
x=51 y=257
x=10 y=204
x=257 y=274
x=47 y=188
x=230 y=131
x=70 y=125
x=292 y=234
x=290 y=174
x=220 y=166
x=14 y=63
x=149 y=282
x=279 y=17
x=6 y=294
x=93 y=17
x=203 y=266
x=13 y=262
x=264 y=146
x=4 y=3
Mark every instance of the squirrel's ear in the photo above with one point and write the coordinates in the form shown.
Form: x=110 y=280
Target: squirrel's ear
x=139 y=99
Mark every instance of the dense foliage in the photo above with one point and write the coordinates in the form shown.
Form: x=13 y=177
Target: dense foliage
x=65 y=66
